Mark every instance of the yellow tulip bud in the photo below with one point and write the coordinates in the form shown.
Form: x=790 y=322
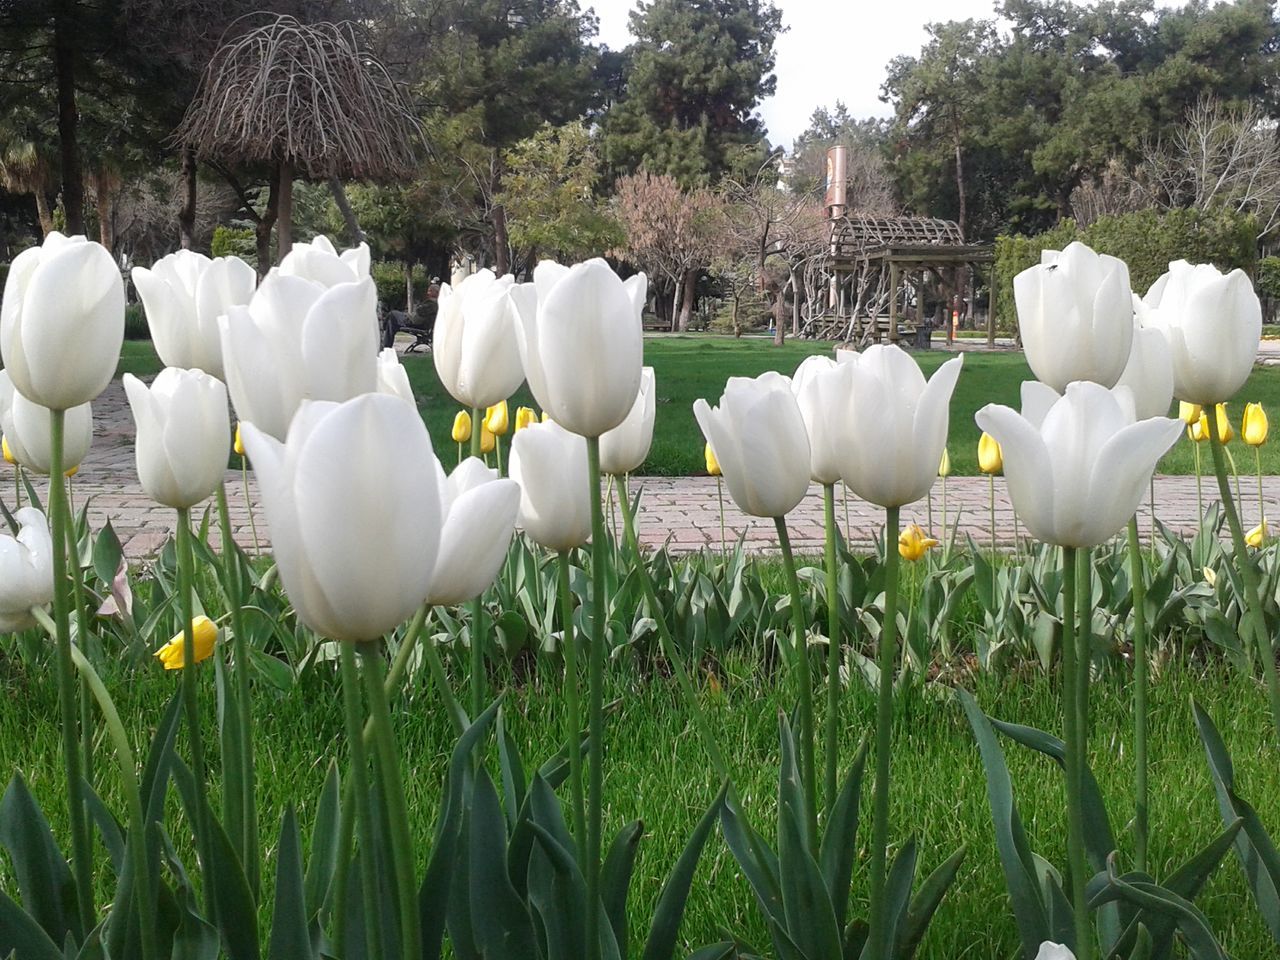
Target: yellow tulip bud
x=1225 y=433
x=238 y=446
x=990 y=456
x=1253 y=429
x=462 y=427
x=173 y=653
x=496 y=419
x=913 y=544
x=1199 y=431
x=4 y=448
x=944 y=468
x=1189 y=412
x=525 y=417
x=487 y=440
x=545 y=416
x=1210 y=577
x=1258 y=535
x=73 y=471
x=713 y=465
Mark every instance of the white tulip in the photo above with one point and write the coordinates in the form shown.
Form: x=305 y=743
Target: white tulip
x=581 y=343
x=1213 y=323
x=320 y=262
x=479 y=510
x=897 y=425
x=392 y=377
x=1075 y=315
x=352 y=566
x=184 y=294
x=550 y=464
x=822 y=386
x=757 y=434
x=624 y=448
x=26 y=426
x=1149 y=372
x=62 y=321
x=298 y=341
x=1077 y=478
x=184 y=435
x=474 y=343
x=26 y=569
x=1054 y=951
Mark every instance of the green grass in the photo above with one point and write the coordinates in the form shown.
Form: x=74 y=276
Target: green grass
x=656 y=771
x=689 y=367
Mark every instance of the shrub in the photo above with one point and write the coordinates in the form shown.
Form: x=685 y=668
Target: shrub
x=388 y=277
x=135 y=323
x=235 y=242
x=1147 y=240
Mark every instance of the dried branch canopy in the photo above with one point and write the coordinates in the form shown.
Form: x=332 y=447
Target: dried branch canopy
x=302 y=94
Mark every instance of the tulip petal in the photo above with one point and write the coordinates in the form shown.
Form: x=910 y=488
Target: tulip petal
x=1027 y=468
x=474 y=540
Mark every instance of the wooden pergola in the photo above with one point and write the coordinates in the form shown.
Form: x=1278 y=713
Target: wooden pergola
x=876 y=265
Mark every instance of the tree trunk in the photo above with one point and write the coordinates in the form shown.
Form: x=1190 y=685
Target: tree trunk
x=354 y=233
x=776 y=310
x=733 y=314
x=263 y=229
x=284 y=208
x=677 y=289
x=501 y=253
x=688 y=299
x=64 y=65
x=961 y=220
x=187 y=213
x=795 y=305
x=43 y=213
x=408 y=286
x=106 y=213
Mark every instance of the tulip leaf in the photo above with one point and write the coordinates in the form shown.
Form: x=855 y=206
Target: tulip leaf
x=669 y=912
x=897 y=892
x=108 y=827
x=107 y=554
x=21 y=936
x=924 y=904
x=615 y=879
x=513 y=777
x=44 y=880
x=806 y=902
x=558 y=892
x=1192 y=924
x=840 y=841
x=290 y=926
x=499 y=918
x=325 y=840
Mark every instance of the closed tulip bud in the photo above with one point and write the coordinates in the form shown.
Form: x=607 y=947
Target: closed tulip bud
x=821 y=387
x=183 y=295
x=62 y=321
x=1149 y=373
x=713 y=465
x=4 y=448
x=1054 y=951
x=25 y=426
x=1189 y=412
x=496 y=419
x=1253 y=429
x=238 y=446
x=474 y=346
x=26 y=569
x=320 y=262
x=351 y=568
x=944 y=468
x=581 y=342
x=545 y=416
x=392 y=377
x=524 y=417
x=990 y=459
x=1257 y=536
x=550 y=464
x=487 y=440
x=624 y=448
x=1199 y=431
x=205 y=634
x=72 y=472
x=1225 y=433
x=479 y=511
x=1210 y=576
x=183 y=435
x=461 y=427
x=1077 y=478
x=913 y=544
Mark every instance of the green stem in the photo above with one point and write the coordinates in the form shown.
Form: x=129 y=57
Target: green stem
x=724 y=547
x=248 y=504
x=573 y=720
x=394 y=797
x=67 y=688
x=359 y=780
x=804 y=685
x=477 y=431
x=1137 y=574
x=1073 y=751
x=479 y=680
x=886 y=655
x=834 y=647
x=595 y=706
x=1252 y=596
x=243 y=706
x=1262 y=510
x=191 y=704
x=457 y=716
x=946 y=525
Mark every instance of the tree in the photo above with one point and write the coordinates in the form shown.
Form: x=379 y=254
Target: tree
x=870 y=188
x=698 y=70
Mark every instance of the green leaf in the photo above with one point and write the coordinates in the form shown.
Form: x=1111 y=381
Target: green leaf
x=924 y=904
x=324 y=844
x=810 y=916
x=500 y=920
x=669 y=912
x=615 y=880
x=44 y=879
x=559 y=894
x=107 y=554
x=290 y=926
x=1191 y=922
x=897 y=891
x=840 y=841
x=21 y=936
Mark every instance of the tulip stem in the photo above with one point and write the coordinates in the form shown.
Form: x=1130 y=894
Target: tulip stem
x=1072 y=755
x=477 y=431
x=573 y=721
x=1137 y=574
x=724 y=547
x=595 y=693
x=878 y=943
x=393 y=796
x=834 y=646
x=248 y=503
x=946 y=525
x=454 y=709
x=363 y=803
x=67 y=687
x=1252 y=596
x=190 y=702
x=804 y=684
x=479 y=692
x=1262 y=510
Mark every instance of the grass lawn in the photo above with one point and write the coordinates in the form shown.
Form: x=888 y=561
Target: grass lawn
x=688 y=367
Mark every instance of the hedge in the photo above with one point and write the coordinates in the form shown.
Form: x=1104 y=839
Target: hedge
x=388 y=277
x=239 y=242
x=1146 y=240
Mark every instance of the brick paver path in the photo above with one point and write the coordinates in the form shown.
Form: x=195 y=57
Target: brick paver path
x=682 y=512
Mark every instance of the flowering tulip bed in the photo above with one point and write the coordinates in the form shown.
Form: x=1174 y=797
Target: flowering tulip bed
x=394 y=586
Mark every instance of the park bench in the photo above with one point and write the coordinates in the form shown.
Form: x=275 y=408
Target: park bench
x=420 y=324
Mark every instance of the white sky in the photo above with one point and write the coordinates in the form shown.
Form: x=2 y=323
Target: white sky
x=834 y=50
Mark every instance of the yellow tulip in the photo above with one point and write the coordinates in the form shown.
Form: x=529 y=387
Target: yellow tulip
x=173 y=653
x=496 y=419
x=1199 y=431
x=238 y=446
x=944 y=468
x=990 y=456
x=525 y=417
x=1225 y=433
x=1210 y=577
x=1189 y=412
x=545 y=416
x=4 y=448
x=487 y=440
x=73 y=471
x=462 y=427
x=1258 y=535
x=913 y=544
x=713 y=465
x=1253 y=429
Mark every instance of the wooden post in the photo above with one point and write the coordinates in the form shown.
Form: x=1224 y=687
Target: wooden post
x=893 y=305
x=920 y=318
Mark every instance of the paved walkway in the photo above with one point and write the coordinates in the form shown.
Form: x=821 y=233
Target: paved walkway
x=681 y=512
